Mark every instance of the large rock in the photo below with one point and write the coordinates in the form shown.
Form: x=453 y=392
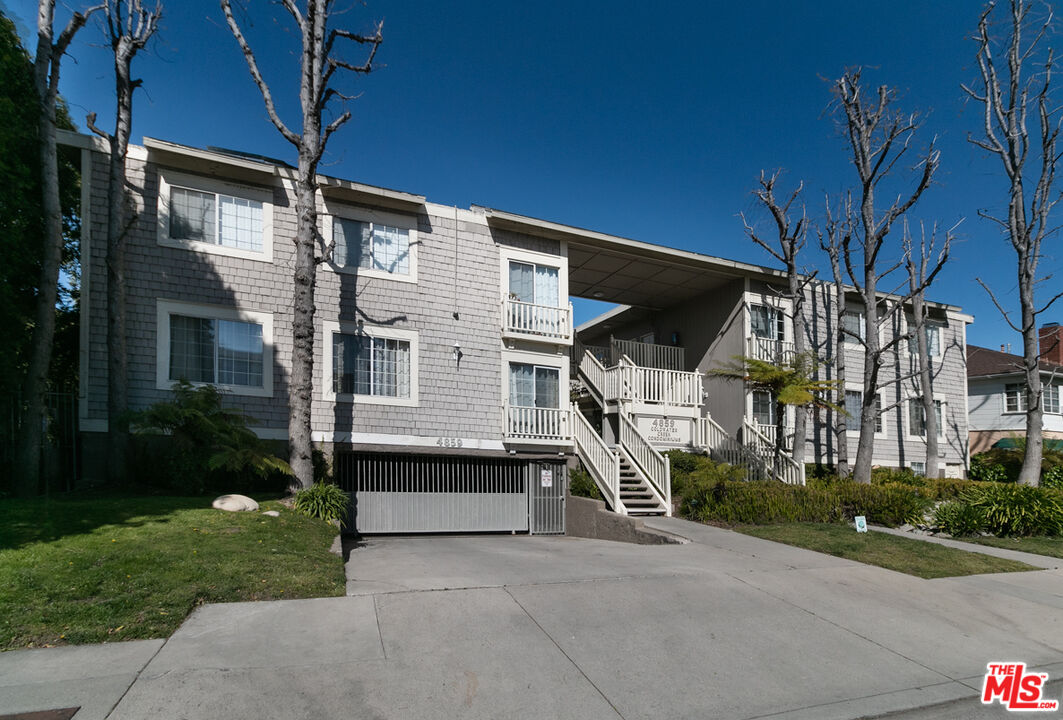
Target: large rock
x=235 y=503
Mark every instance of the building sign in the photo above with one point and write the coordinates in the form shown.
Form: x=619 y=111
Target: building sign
x=666 y=431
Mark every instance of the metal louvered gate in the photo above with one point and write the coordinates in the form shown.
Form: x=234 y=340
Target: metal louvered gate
x=546 y=498
x=422 y=493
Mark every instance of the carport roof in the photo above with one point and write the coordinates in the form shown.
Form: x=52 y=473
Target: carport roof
x=630 y=272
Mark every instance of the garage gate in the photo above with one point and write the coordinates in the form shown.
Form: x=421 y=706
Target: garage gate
x=429 y=493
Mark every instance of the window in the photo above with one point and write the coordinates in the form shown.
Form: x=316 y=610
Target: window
x=213 y=216
x=763 y=407
x=917 y=421
x=853 y=326
x=919 y=468
x=534 y=386
x=371 y=246
x=373 y=365
x=767 y=322
x=1015 y=397
x=1052 y=399
x=933 y=341
x=535 y=284
x=219 y=346
x=854 y=406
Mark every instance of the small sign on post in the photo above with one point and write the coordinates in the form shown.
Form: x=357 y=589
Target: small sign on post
x=546 y=477
x=861 y=523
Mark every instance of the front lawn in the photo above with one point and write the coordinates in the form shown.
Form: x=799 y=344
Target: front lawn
x=106 y=567
x=914 y=557
x=1050 y=546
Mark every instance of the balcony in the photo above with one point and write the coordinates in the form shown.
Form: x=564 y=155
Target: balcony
x=529 y=321
x=538 y=425
x=770 y=350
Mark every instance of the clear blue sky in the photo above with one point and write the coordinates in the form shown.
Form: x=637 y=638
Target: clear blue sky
x=645 y=120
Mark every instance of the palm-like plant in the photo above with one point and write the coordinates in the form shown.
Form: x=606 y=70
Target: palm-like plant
x=790 y=382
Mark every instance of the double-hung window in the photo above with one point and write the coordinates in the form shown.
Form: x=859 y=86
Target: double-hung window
x=854 y=408
x=917 y=419
x=371 y=246
x=1015 y=397
x=767 y=322
x=213 y=216
x=1051 y=399
x=933 y=341
x=764 y=408
x=212 y=345
x=853 y=326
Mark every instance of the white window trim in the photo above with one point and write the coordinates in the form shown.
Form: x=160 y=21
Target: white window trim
x=782 y=304
x=333 y=209
x=1059 y=397
x=165 y=308
x=1004 y=399
x=906 y=352
x=543 y=360
x=907 y=423
x=506 y=254
x=788 y=410
x=855 y=432
x=863 y=327
x=171 y=178
x=330 y=327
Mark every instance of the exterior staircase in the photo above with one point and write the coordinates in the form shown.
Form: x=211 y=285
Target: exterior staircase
x=632 y=475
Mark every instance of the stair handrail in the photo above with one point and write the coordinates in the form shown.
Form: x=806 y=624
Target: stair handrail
x=722 y=447
x=783 y=467
x=654 y=466
x=594 y=374
x=601 y=461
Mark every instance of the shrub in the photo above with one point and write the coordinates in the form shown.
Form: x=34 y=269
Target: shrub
x=684 y=465
x=959 y=519
x=947 y=488
x=984 y=469
x=902 y=476
x=324 y=501
x=759 y=503
x=1053 y=478
x=889 y=504
x=581 y=484
x=208 y=448
x=1017 y=510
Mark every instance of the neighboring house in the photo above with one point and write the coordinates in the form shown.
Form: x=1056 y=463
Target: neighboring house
x=996 y=391
x=446 y=362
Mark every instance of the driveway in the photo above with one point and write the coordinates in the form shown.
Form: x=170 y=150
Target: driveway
x=726 y=626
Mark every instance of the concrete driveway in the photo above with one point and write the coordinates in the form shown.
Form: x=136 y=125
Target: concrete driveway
x=726 y=626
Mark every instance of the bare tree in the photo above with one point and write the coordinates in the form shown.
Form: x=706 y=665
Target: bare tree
x=320 y=61
x=919 y=262
x=50 y=51
x=130 y=25
x=836 y=230
x=1006 y=101
x=879 y=137
x=788 y=243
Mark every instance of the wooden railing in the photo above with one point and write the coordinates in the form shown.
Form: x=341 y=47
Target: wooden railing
x=532 y=423
x=782 y=466
x=594 y=374
x=772 y=431
x=770 y=350
x=545 y=321
x=601 y=461
x=676 y=388
x=648 y=355
x=654 y=466
x=724 y=448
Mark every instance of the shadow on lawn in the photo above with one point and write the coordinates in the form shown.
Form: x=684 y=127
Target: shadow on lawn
x=46 y=519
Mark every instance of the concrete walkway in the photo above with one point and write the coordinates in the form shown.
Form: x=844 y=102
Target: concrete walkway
x=1041 y=561
x=727 y=626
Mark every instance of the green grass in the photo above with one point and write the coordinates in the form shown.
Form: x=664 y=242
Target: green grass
x=914 y=557
x=107 y=567
x=1050 y=546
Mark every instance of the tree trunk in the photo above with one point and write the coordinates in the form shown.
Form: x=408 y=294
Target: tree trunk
x=841 y=424
x=1030 y=474
x=800 y=348
x=865 y=447
x=926 y=385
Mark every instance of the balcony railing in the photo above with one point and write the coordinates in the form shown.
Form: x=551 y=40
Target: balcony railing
x=769 y=349
x=539 y=424
x=538 y=321
x=648 y=355
x=674 y=388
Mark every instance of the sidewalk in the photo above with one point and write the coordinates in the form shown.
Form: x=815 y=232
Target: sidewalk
x=1041 y=561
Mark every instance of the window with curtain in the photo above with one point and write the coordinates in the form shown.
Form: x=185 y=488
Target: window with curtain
x=853 y=324
x=536 y=284
x=206 y=350
x=917 y=419
x=367 y=365
x=854 y=407
x=933 y=341
x=215 y=218
x=372 y=246
x=767 y=322
x=763 y=407
x=534 y=386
